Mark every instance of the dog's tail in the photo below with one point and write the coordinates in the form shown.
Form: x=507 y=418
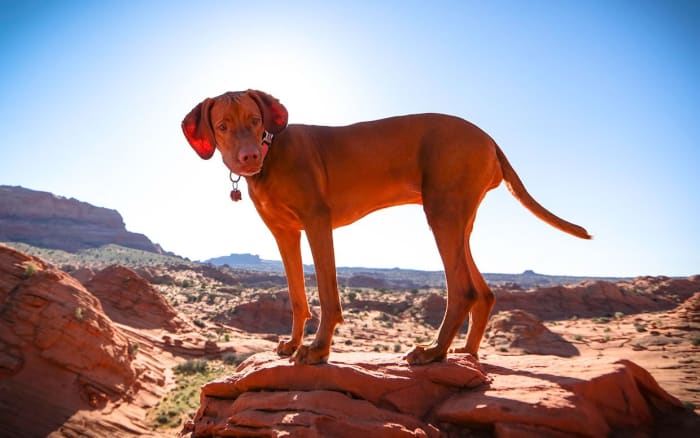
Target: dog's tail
x=516 y=187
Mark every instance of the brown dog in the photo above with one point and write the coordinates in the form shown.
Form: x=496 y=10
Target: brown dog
x=317 y=178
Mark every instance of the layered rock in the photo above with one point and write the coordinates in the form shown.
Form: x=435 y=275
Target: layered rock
x=264 y=313
x=129 y=299
x=518 y=331
x=354 y=395
x=59 y=352
x=600 y=298
x=48 y=221
x=432 y=309
x=381 y=395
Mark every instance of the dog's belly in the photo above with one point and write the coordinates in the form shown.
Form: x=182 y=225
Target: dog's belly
x=354 y=205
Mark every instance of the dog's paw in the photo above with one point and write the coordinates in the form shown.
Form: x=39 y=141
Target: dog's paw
x=287 y=348
x=464 y=350
x=421 y=354
x=309 y=355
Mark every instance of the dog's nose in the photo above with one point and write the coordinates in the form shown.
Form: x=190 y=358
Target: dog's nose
x=248 y=155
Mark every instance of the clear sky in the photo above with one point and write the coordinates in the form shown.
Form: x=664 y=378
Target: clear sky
x=596 y=104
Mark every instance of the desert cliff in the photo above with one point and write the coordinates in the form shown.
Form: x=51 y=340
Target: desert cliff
x=49 y=221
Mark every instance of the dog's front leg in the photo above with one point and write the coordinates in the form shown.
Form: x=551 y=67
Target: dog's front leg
x=320 y=235
x=288 y=243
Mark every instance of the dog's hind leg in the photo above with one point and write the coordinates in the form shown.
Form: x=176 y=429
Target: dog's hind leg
x=481 y=310
x=449 y=222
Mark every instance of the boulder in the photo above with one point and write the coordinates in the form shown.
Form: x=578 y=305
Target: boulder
x=432 y=309
x=131 y=300
x=266 y=312
x=518 y=331
x=359 y=394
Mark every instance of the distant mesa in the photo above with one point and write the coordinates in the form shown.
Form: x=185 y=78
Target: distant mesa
x=235 y=260
x=49 y=221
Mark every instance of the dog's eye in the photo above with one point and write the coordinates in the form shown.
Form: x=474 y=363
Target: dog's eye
x=256 y=121
x=221 y=127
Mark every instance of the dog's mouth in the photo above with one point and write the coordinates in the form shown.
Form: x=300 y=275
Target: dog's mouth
x=247 y=170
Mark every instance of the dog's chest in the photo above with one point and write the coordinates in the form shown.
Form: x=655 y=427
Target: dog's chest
x=273 y=209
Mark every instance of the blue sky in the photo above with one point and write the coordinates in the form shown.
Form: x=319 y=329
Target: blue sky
x=596 y=104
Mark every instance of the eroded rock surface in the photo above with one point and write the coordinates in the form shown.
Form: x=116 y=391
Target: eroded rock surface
x=360 y=394
x=129 y=299
x=519 y=331
x=59 y=352
x=264 y=313
x=49 y=221
x=600 y=298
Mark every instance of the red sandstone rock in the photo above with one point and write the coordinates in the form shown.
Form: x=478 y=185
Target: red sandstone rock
x=83 y=275
x=518 y=331
x=49 y=221
x=59 y=352
x=432 y=309
x=686 y=316
x=129 y=299
x=380 y=395
x=265 y=313
x=599 y=298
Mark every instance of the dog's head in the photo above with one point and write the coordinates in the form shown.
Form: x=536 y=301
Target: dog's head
x=235 y=123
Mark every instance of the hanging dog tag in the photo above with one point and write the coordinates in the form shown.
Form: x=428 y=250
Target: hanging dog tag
x=235 y=193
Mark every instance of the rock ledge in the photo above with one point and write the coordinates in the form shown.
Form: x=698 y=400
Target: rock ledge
x=381 y=395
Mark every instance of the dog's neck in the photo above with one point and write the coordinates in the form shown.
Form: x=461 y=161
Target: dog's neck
x=235 y=191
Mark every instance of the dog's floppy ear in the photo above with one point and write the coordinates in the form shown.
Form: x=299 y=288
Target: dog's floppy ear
x=197 y=129
x=274 y=114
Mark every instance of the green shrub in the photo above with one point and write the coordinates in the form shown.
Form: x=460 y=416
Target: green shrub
x=133 y=349
x=187 y=283
x=29 y=270
x=192 y=366
x=234 y=358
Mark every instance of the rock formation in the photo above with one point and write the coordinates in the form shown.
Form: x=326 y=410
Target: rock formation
x=48 y=221
x=359 y=394
x=518 y=331
x=264 y=313
x=59 y=352
x=432 y=308
x=127 y=298
x=600 y=298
